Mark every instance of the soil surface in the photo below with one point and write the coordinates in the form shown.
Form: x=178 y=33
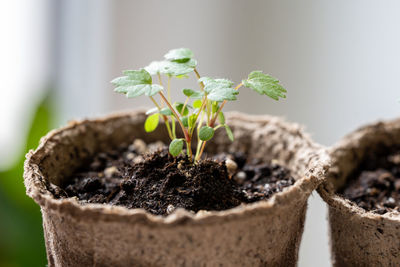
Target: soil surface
x=376 y=187
x=146 y=176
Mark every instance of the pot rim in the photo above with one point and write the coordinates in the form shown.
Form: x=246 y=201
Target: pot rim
x=36 y=189
x=347 y=143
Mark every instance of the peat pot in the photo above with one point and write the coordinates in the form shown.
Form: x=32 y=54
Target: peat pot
x=360 y=237
x=258 y=234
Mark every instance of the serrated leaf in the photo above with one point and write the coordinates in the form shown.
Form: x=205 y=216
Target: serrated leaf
x=197 y=103
x=219 y=89
x=136 y=83
x=141 y=76
x=175 y=147
x=229 y=132
x=179 y=69
x=154 y=89
x=210 y=81
x=193 y=93
x=179 y=55
x=206 y=133
x=265 y=84
x=221 y=117
x=156 y=67
x=142 y=89
x=151 y=122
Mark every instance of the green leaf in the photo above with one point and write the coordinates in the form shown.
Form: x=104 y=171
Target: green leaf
x=214 y=106
x=265 y=84
x=179 y=55
x=175 y=147
x=151 y=122
x=221 y=117
x=229 y=132
x=136 y=83
x=222 y=82
x=138 y=75
x=166 y=111
x=156 y=67
x=179 y=107
x=192 y=120
x=206 y=133
x=193 y=93
x=197 y=103
x=179 y=69
x=185 y=121
x=219 y=89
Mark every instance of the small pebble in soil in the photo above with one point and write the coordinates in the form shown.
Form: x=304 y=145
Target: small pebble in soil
x=170 y=209
x=129 y=176
x=139 y=146
x=231 y=166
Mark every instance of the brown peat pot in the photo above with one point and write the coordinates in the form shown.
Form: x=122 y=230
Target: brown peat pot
x=258 y=234
x=360 y=237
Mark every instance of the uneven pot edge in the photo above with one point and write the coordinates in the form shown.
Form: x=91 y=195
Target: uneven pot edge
x=348 y=143
x=359 y=237
x=36 y=189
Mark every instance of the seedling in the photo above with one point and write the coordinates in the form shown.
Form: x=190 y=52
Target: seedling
x=201 y=108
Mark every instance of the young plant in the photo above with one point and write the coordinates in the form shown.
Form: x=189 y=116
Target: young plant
x=200 y=110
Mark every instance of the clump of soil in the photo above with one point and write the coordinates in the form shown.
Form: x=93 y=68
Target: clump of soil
x=160 y=183
x=376 y=187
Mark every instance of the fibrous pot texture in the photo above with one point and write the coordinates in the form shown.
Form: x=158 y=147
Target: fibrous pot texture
x=258 y=234
x=360 y=237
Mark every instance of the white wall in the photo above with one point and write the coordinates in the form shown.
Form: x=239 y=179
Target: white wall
x=25 y=58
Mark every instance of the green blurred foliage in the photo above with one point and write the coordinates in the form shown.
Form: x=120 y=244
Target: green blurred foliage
x=21 y=232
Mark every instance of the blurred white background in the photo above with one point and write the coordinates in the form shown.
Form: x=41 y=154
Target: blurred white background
x=339 y=61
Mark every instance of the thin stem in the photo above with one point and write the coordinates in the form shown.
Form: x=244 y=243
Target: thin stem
x=201 y=151
x=161 y=83
x=169 y=88
x=189 y=150
x=197 y=73
x=238 y=86
x=198 y=77
x=173 y=128
x=217 y=127
x=159 y=79
x=168 y=127
x=199 y=142
x=155 y=102
x=165 y=118
x=200 y=110
x=209 y=110
x=184 y=105
x=212 y=122
x=187 y=137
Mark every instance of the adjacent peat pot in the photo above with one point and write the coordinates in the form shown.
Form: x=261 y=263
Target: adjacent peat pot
x=362 y=190
x=263 y=233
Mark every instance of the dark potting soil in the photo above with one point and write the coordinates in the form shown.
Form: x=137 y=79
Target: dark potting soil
x=376 y=186
x=159 y=183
